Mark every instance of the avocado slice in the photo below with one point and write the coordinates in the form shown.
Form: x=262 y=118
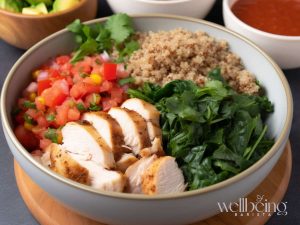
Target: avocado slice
x=36 y=10
x=60 y=5
x=11 y=5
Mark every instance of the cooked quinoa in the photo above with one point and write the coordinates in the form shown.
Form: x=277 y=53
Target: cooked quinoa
x=181 y=54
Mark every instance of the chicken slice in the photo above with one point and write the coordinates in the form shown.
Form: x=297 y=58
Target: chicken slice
x=72 y=166
x=151 y=115
x=82 y=139
x=134 y=128
x=135 y=172
x=156 y=148
x=145 y=109
x=163 y=176
x=62 y=163
x=126 y=160
x=108 y=128
x=103 y=179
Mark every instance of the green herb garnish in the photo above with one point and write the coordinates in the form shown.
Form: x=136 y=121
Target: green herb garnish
x=52 y=135
x=50 y=117
x=80 y=107
x=126 y=80
x=116 y=32
x=94 y=107
x=29 y=105
x=29 y=119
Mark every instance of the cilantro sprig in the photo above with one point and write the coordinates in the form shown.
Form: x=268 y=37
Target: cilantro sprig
x=117 y=32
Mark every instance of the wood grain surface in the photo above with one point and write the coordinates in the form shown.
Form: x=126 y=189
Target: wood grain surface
x=49 y=212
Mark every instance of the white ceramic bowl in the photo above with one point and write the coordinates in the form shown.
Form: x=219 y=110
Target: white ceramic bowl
x=285 y=50
x=192 y=8
x=173 y=209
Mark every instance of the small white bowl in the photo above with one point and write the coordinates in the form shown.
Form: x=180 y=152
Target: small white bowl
x=285 y=50
x=191 y=8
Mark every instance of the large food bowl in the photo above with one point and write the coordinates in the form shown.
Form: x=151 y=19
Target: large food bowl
x=122 y=208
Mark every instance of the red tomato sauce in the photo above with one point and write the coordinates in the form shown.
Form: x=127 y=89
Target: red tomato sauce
x=273 y=16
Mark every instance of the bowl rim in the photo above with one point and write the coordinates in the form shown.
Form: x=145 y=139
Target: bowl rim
x=275 y=148
x=44 y=16
x=227 y=8
x=160 y=2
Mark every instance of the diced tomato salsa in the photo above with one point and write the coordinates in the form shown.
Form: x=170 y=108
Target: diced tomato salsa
x=61 y=92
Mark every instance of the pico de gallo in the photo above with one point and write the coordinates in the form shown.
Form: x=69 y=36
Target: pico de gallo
x=62 y=91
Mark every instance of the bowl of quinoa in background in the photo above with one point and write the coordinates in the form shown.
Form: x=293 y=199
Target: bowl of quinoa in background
x=170 y=48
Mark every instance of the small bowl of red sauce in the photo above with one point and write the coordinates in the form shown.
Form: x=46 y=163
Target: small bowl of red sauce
x=274 y=25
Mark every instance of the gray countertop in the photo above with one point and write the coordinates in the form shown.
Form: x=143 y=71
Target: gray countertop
x=14 y=212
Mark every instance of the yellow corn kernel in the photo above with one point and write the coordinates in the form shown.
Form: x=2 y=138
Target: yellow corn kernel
x=35 y=74
x=28 y=126
x=41 y=100
x=32 y=96
x=96 y=78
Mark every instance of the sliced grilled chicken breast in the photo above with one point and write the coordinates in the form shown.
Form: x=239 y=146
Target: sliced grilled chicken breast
x=108 y=128
x=72 y=166
x=163 y=176
x=102 y=179
x=134 y=128
x=145 y=109
x=83 y=140
x=126 y=160
x=151 y=115
x=62 y=163
x=156 y=148
x=135 y=172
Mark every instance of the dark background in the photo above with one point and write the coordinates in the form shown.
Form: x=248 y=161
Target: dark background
x=14 y=212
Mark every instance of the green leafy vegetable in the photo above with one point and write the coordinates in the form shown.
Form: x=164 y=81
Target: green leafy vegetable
x=116 y=33
x=213 y=131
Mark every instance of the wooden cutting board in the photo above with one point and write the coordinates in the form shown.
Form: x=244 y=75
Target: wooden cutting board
x=49 y=212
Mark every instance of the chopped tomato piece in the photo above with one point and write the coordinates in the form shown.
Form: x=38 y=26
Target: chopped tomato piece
x=108 y=103
x=62 y=114
x=44 y=143
x=60 y=60
x=57 y=94
x=43 y=85
x=80 y=89
x=27 y=138
x=106 y=86
x=54 y=74
x=117 y=94
x=73 y=114
x=42 y=122
x=110 y=71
